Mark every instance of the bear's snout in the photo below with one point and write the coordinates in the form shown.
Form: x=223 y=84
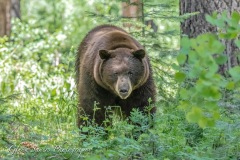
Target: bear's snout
x=124 y=92
x=123 y=87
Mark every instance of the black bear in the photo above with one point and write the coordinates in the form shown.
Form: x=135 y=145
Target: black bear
x=112 y=69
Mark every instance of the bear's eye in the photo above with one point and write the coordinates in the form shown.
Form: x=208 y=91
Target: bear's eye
x=130 y=73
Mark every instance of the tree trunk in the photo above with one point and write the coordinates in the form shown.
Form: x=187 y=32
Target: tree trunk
x=5 y=17
x=15 y=9
x=197 y=24
x=132 y=10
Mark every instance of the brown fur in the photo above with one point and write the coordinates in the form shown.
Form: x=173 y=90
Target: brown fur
x=93 y=87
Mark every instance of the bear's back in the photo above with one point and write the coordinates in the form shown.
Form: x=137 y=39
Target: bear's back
x=103 y=29
x=94 y=36
x=100 y=31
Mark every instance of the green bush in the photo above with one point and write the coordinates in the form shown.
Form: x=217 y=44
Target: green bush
x=203 y=87
x=38 y=100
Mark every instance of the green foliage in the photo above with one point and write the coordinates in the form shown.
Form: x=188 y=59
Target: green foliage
x=204 y=86
x=235 y=73
x=36 y=93
x=38 y=99
x=68 y=17
x=29 y=63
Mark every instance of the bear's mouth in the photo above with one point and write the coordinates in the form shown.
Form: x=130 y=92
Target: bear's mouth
x=123 y=95
x=124 y=92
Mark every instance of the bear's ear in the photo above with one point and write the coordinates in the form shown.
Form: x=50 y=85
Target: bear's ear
x=140 y=53
x=104 y=54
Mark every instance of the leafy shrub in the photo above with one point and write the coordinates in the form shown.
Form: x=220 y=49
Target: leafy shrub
x=30 y=62
x=38 y=102
x=203 y=89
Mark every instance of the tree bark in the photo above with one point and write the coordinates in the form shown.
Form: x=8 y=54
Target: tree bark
x=197 y=24
x=5 y=17
x=132 y=10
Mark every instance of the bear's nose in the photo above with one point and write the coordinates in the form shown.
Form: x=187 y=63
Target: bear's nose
x=123 y=90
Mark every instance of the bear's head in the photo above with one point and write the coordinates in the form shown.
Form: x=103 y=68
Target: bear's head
x=122 y=70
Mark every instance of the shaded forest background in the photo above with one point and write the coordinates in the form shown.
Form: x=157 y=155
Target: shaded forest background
x=198 y=83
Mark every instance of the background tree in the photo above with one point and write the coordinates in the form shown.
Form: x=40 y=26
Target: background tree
x=8 y=10
x=197 y=24
x=38 y=99
x=132 y=10
x=5 y=17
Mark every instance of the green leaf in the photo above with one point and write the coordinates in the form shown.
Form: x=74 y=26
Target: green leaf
x=229 y=34
x=85 y=129
x=3 y=87
x=230 y=85
x=196 y=70
x=237 y=42
x=180 y=77
x=216 y=115
x=210 y=19
x=183 y=105
x=221 y=59
x=212 y=70
x=175 y=66
x=214 y=21
x=217 y=47
x=185 y=42
x=181 y=58
x=211 y=105
x=235 y=73
x=211 y=92
x=194 y=115
x=203 y=123
x=235 y=18
x=211 y=122
x=3 y=40
x=206 y=122
x=185 y=45
x=184 y=93
x=67 y=85
x=54 y=92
